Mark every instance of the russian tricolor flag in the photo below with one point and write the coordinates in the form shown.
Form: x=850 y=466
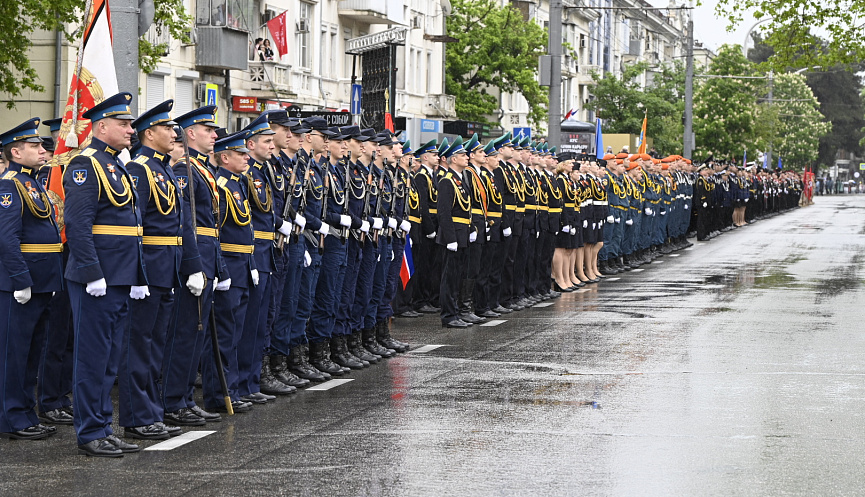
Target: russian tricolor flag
x=406 y=271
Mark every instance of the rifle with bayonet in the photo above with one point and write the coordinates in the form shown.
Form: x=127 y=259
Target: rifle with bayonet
x=324 y=195
x=379 y=208
x=343 y=232
x=288 y=210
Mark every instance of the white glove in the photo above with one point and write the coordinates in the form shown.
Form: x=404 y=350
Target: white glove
x=307 y=259
x=594 y=225
x=452 y=246
x=344 y=221
x=139 y=292
x=254 y=274
x=391 y=223
x=629 y=222
x=364 y=226
x=663 y=213
x=324 y=229
x=223 y=286
x=506 y=232
x=586 y=223
x=618 y=220
x=705 y=205
x=686 y=206
x=473 y=236
x=611 y=219
x=300 y=221
x=405 y=225
x=195 y=283
x=285 y=229
x=97 y=288
x=23 y=296
x=573 y=232
x=377 y=223
x=431 y=235
x=566 y=229
x=648 y=211
x=745 y=201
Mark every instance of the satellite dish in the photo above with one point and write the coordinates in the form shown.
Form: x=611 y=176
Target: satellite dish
x=447 y=10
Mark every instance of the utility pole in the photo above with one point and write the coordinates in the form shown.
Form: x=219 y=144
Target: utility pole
x=124 y=23
x=688 y=138
x=771 y=99
x=554 y=122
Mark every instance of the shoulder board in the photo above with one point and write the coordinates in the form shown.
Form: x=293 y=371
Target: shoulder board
x=141 y=159
x=89 y=151
x=10 y=175
x=222 y=181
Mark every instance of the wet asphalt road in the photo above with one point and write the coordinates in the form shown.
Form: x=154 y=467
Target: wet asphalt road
x=736 y=367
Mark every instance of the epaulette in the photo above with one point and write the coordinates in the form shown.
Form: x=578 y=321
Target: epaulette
x=10 y=175
x=141 y=159
x=89 y=151
x=222 y=181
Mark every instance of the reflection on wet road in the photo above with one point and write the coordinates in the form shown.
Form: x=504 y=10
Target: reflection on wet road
x=737 y=368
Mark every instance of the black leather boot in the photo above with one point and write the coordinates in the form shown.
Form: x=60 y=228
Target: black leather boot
x=371 y=345
x=269 y=384
x=279 y=369
x=319 y=357
x=355 y=347
x=298 y=365
x=340 y=355
x=382 y=334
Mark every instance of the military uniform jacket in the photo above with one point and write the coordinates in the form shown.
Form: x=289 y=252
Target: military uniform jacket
x=236 y=236
x=262 y=201
x=703 y=192
x=477 y=192
x=400 y=188
x=616 y=195
x=506 y=184
x=103 y=224
x=356 y=196
x=275 y=171
x=202 y=253
x=165 y=233
x=381 y=196
x=455 y=214
x=569 y=201
x=554 y=202
x=495 y=206
x=313 y=192
x=427 y=194
x=30 y=246
x=530 y=198
x=336 y=195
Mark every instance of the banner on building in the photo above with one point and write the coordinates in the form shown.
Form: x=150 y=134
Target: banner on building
x=277 y=28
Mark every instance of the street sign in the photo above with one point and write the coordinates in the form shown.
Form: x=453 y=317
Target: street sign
x=332 y=118
x=523 y=131
x=355 y=99
x=430 y=126
x=211 y=96
x=862 y=166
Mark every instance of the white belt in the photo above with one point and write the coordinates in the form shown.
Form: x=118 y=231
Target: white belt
x=601 y=202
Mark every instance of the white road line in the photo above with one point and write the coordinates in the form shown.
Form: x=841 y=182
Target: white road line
x=689 y=248
x=637 y=270
x=543 y=304
x=674 y=255
x=582 y=290
x=494 y=322
x=611 y=279
x=180 y=440
x=328 y=385
x=657 y=262
x=426 y=348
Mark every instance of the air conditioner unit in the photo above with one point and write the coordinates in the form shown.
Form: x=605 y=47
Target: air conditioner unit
x=201 y=93
x=302 y=26
x=416 y=22
x=268 y=15
x=583 y=43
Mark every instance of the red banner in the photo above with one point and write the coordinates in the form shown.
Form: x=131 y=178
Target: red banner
x=277 y=27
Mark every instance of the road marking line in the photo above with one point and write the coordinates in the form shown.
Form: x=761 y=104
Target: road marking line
x=657 y=262
x=612 y=279
x=426 y=348
x=543 y=304
x=674 y=255
x=637 y=270
x=689 y=249
x=180 y=440
x=328 y=385
x=494 y=322
x=582 y=290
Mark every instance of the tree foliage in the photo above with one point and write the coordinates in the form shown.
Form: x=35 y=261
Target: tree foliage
x=19 y=19
x=622 y=102
x=800 y=125
x=792 y=23
x=495 y=48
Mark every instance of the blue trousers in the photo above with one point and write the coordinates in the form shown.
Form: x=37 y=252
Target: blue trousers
x=230 y=308
x=141 y=358
x=277 y=287
x=305 y=296
x=363 y=292
x=385 y=310
x=55 y=368
x=281 y=338
x=348 y=286
x=22 y=334
x=100 y=323
x=251 y=345
x=328 y=290
x=382 y=257
x=183 y=347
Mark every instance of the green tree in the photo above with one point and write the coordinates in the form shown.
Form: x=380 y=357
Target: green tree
x=20 y=19
x=725 y=109
x=792 y=24
x=800 y=125
x=495 y=48
x=621 y=102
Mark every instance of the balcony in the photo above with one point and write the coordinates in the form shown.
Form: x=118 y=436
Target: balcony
x=440 y=106
x=584 y=73
x=221 y=48
x=269 y=76
x=372 y=11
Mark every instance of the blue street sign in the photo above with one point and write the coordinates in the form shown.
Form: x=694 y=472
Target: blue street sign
x=355 y=99
x=523 y=132
x=430 y=126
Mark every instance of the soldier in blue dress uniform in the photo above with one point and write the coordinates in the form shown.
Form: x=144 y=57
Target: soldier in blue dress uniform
x=30 y=271
x=103 y=230
x=185 y=341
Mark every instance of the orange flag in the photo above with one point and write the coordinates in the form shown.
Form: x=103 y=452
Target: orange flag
x=642 y=144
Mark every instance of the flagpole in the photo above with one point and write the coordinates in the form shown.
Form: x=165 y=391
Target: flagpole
x=72 y=136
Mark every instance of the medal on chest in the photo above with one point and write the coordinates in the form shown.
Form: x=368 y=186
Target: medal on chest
x=111 y=169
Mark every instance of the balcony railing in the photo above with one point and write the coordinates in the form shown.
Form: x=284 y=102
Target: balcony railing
x=371 y=11
x=440 y=105
x=268 y=75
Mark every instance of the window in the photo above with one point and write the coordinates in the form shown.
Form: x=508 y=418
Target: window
x=417 y=71
x=304 y=13
x=236 y=14
x=429 y=71
x=334 y=52
x=183 y=97
x=347 y=59
x=155 y=90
